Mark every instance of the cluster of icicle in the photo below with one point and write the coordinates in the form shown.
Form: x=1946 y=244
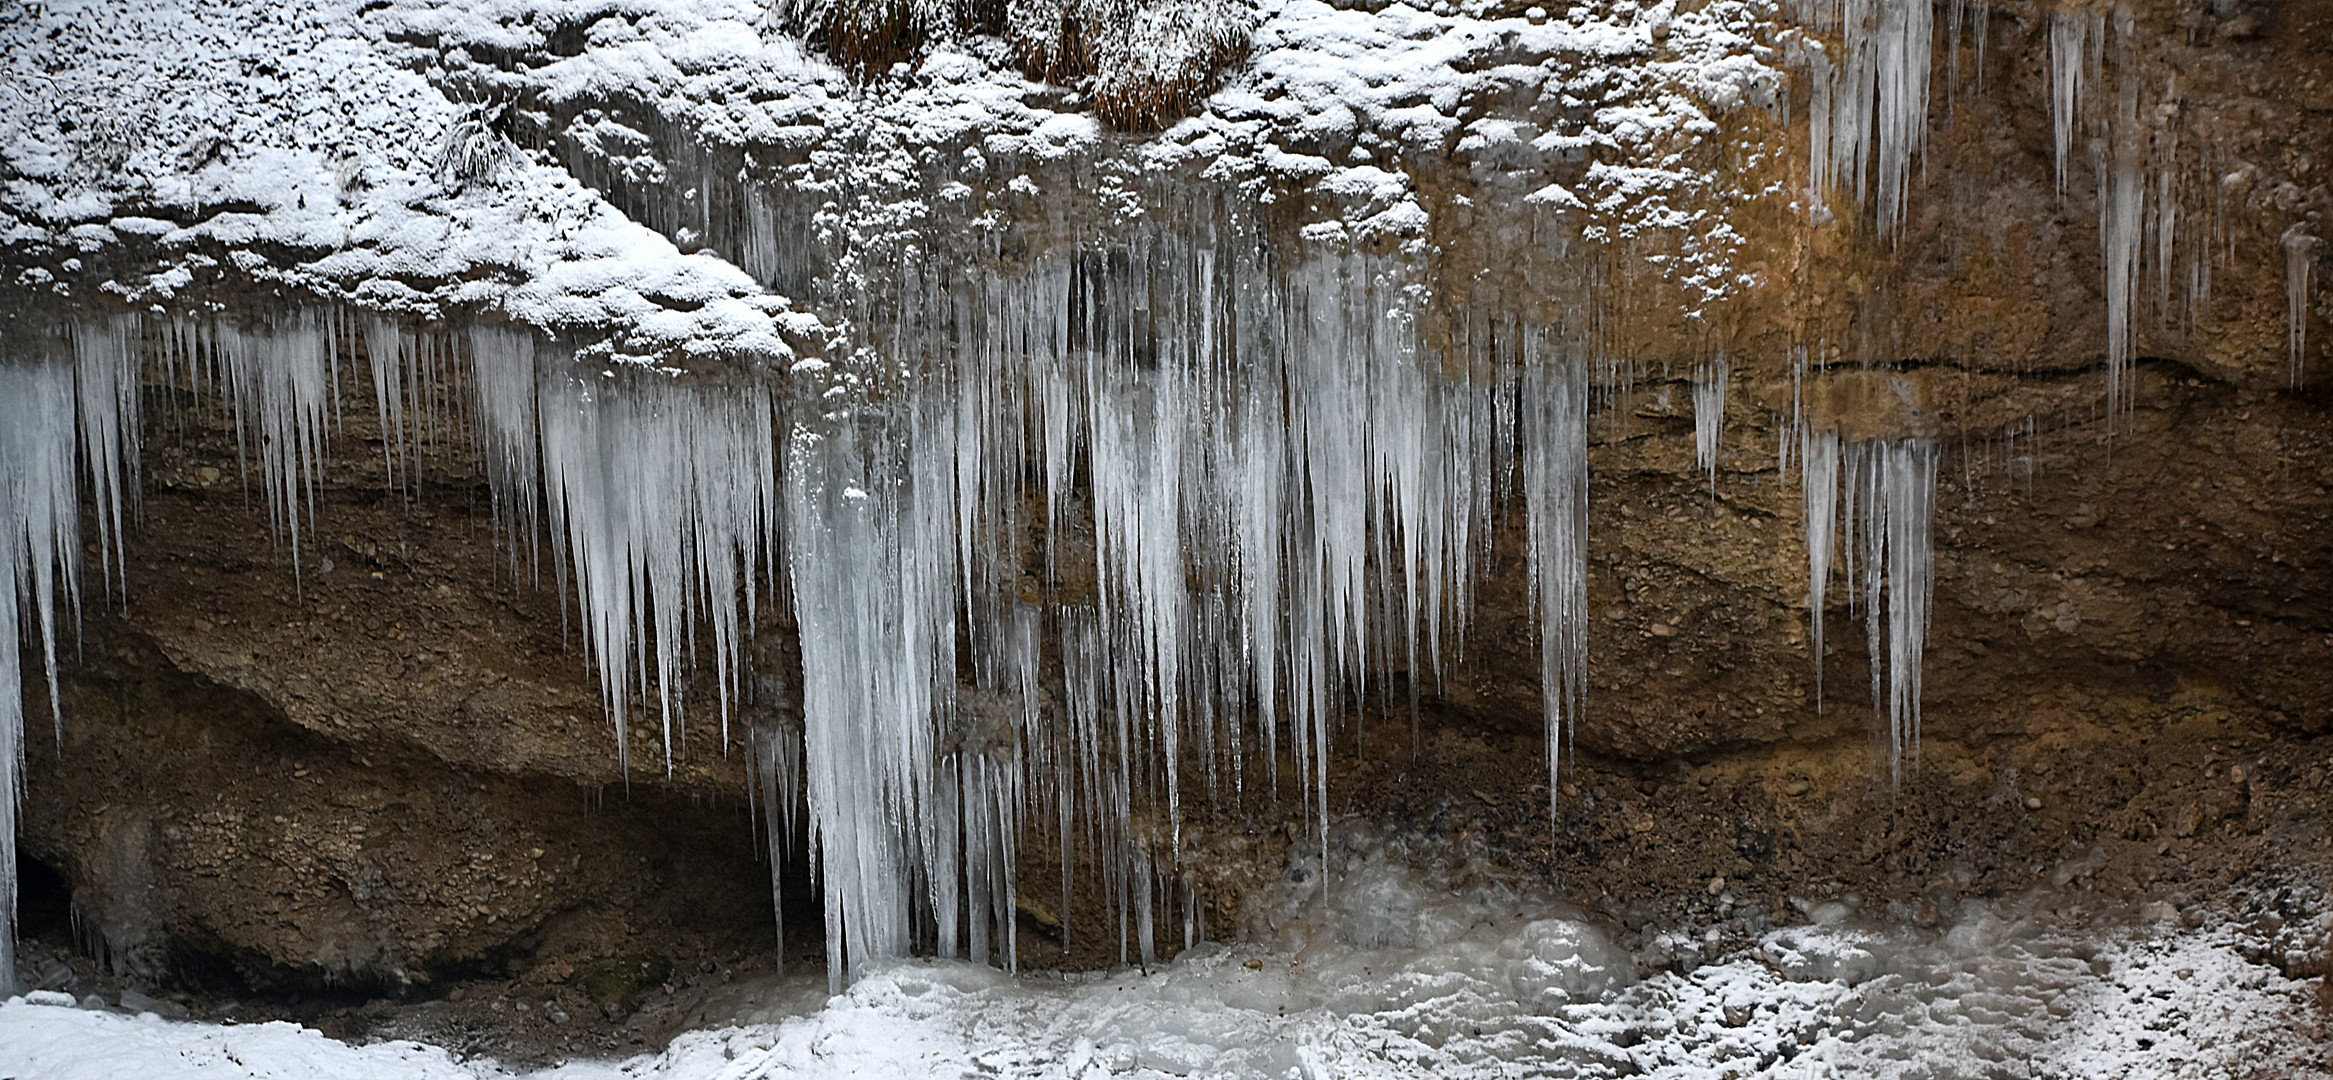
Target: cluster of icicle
x=1187 y=507
x=1257 y=499
x=1868 y=508
x=1279 y=499
x=1144 y=517
x=1868 y=118
x=1868 y=109
x=61 y=403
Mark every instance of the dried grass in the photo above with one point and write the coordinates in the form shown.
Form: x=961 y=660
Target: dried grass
x=1149 y=62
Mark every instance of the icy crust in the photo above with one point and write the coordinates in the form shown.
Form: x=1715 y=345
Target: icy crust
x=274 y=143
x=1475 y=986
x=1610 y=115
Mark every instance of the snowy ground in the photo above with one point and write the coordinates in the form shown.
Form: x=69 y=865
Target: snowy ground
x=1543 y=997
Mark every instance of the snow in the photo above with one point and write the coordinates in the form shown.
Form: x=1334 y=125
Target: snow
x=1450 y=985
x=225 y=127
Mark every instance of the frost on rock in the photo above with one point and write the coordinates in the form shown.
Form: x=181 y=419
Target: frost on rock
x=1152 y=62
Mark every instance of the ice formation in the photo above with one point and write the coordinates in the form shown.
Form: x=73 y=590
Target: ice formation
x=1869 y=505
x=1285 y=492
x=2073 y=65
x=1870 y=106
x=1170 y=498
x=1709 y=385
x=1285 y=496
x=65 y=399
x=2300 y=257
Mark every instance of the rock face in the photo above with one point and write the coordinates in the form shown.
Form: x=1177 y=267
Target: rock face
x=396 y=770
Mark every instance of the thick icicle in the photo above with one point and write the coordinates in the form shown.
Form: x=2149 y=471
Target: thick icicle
x=39 y=553
x=1709 y=386
x=2300 y=257
x=1555 y=472
x=871 y=552
x=1818 y=458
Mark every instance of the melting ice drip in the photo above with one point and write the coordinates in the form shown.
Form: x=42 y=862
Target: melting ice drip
x=1879 y=496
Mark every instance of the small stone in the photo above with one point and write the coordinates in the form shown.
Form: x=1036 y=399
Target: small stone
x=1716 y=885
x=207 y=475
x=1798 y=787
x=2033 y=802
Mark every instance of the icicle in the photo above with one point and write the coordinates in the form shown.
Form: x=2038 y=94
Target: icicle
x=383 y=354
x=1709 y=386
x=1889 y=490
x=2122 y=199
x=1555 y=470
x=1903 y=508
x=502 y=383
x=1874 y=110
x=1820 y=76
x=1984 y=19
x=278 y=378
x=2073 y=37
x=665 y=492
x=2122 y=202
x=2300 y=257
x=1819 y=485
x=871 y=552
x=39 y=557
x=106 y=372
x=778 y=764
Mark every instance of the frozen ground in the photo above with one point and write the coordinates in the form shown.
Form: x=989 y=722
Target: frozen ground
x=1505 y=997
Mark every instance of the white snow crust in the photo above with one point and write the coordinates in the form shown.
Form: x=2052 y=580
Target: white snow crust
x=298 y=141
